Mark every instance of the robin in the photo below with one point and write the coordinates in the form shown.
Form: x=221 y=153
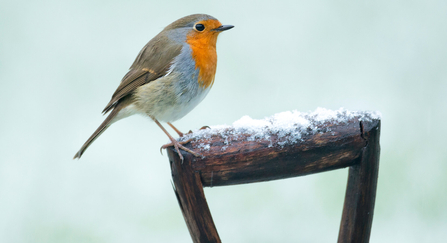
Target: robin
x=171 y=75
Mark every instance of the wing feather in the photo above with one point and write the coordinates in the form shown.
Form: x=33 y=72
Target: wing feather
x=153 y=62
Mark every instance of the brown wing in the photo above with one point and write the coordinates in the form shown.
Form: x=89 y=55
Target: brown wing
x=153 y=62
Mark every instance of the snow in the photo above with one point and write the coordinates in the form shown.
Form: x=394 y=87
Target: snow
x=288 y=126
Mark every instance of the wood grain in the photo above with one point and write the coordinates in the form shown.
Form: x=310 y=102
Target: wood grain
x=191 y=198
x=358 y=209
x=334 y=145
x=246 y=161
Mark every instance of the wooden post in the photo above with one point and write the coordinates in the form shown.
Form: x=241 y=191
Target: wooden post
x=358 y=209
x=354 y=144
x=189 y=191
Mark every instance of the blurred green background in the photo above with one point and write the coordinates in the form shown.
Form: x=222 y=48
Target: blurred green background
x=60 y=62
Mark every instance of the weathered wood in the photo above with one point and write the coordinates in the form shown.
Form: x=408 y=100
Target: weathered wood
x=337 y=146
x=334 y=145
x=189 y=191
x=358 y=209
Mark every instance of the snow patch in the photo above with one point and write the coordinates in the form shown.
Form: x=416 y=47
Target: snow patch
x=288 y=126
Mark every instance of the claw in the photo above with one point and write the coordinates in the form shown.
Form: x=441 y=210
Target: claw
x=178 y=145
x=172 y=144
x=202 y=128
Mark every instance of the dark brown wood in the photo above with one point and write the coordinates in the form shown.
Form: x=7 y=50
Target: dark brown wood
x=358 y=209
x=339 y=145
x=191 y=198
x=353 y=143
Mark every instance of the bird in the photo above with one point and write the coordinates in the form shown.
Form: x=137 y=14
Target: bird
x=170 y=76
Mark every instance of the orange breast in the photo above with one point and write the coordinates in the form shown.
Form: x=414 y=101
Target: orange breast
x=203 y=46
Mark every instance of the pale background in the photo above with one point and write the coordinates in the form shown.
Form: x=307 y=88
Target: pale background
x=60 y=62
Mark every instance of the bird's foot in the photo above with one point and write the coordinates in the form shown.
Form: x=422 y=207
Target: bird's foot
x=179 y=145
x=202 y=128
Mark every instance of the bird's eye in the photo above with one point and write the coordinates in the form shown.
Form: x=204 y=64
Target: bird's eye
x=199 y=27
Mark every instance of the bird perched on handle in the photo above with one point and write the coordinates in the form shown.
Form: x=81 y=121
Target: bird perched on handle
x=171 y=75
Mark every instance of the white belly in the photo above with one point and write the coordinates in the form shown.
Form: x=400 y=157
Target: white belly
x=180 y=109
x=167 y=99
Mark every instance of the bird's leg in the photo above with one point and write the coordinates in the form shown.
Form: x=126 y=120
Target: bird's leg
x=175 y=143
x=176 y=130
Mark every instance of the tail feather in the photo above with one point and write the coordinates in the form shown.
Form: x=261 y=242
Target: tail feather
x=104 y=125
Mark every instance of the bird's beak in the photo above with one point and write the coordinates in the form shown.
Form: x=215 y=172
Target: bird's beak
x=223 y=28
